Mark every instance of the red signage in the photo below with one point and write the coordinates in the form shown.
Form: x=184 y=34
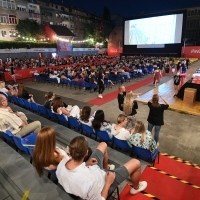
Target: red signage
x=191 y=51
x=114 y=51
x=27 y=73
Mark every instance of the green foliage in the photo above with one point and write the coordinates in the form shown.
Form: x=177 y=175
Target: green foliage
x=30 y=28
x=98 y=31
x=23 y=44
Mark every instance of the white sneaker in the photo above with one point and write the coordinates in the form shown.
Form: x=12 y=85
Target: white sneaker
x=111 y=167
x=142 y=186
x=100 y=96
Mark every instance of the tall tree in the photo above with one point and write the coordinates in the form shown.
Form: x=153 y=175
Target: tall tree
x=29 y=28
x=98 y=31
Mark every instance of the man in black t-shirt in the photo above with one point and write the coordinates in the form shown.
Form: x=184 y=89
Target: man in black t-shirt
x=121 y=96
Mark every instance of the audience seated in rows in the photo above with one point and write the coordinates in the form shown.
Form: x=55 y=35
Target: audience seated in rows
x=14 y=121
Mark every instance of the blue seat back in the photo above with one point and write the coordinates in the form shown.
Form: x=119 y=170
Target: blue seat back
x=18 y=143
x=43 y=110
x=34 y=107
x=122 y=144
x=8 y=136
x=87 y=129
x=21 y=103
x=62 y=119
x=145 y=154
x=26 y=104
x=103 y=135
x=52 y=115
x=74 y=122
x=29 y=143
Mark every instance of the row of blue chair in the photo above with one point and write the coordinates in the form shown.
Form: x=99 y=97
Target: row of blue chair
x=85 y=129
x=25 y=144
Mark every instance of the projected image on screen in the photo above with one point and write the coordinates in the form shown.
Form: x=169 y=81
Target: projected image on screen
x=154 y=30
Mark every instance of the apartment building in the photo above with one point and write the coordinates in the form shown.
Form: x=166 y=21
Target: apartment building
x=192 y=32
x=43 y=12
x=11 y=11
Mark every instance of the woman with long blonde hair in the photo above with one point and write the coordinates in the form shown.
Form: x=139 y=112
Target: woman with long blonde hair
x=129 y=108
x=142 y=137
x=46 y=154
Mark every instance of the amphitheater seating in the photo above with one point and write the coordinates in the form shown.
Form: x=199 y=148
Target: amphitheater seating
x=76 y=125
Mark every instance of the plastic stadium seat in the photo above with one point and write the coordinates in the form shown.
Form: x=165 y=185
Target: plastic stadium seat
x=103 y=136
x=121 y=144
x=74 y=123
x=146 y=154
x=88 y=130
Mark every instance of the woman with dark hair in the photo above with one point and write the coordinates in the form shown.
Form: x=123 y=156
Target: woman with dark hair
x=59 y=108
x=100 y=124
x=49 y=100
x=155 y=117
x=85 y=117
x=23 y=93
x=142 y=137
x=101 y=83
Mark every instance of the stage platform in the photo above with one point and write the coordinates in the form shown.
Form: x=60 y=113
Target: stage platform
x=166 y=90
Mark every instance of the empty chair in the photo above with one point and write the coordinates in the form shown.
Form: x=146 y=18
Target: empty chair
x=52 y=115
x=74 y=123
x=103 y=136
x=43 y=111
x=88 y=130
x=26 y=104
x=8 y=136
x=34 y=107
x=121 y=144
x=146 y=154
x=21 y=102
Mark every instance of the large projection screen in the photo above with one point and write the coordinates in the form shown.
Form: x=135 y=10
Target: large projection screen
x=162 y=32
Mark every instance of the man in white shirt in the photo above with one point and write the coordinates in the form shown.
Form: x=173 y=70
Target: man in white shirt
x=93 y=180
x=14 y=121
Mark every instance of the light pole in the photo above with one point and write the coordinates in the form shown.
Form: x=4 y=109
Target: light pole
x=184 y=40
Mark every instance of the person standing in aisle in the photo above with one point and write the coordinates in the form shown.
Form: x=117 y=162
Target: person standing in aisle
x=156 y=76
x=156 y=118
x=101 y=83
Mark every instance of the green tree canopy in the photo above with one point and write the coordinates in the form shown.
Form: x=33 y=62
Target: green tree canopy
x=29 y=28
x=98 y=31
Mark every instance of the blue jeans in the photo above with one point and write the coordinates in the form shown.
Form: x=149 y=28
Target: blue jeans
x=157 y=131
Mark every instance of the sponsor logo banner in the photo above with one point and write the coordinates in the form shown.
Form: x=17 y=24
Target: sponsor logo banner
x=191 y=51
x=114 y=51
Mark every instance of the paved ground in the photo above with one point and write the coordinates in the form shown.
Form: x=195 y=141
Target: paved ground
x=179 y=136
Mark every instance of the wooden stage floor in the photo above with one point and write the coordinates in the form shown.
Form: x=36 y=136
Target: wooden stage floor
x=166 y=90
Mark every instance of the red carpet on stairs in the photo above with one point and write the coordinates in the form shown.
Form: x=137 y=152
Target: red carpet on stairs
x=113 y=95
x=165 y=187
x=180 y=170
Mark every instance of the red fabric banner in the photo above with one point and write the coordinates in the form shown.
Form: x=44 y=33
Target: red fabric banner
x=191 y=51
x=114 y=51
